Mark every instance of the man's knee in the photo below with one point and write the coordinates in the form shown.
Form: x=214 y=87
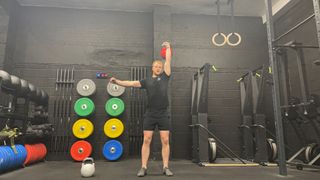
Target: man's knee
x=165 y=141
x=147 y=140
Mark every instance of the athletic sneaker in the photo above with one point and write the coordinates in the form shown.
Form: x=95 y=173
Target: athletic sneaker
x=142 y=172
x=167 y=172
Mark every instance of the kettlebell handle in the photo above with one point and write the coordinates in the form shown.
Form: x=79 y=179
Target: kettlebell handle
x=88 y=160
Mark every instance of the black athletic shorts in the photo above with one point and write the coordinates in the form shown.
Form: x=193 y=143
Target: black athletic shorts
x=156 y=118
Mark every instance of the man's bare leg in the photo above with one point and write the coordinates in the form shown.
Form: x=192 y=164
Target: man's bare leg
x=145 y=150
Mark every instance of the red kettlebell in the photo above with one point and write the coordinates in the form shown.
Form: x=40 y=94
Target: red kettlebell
x=163 y=52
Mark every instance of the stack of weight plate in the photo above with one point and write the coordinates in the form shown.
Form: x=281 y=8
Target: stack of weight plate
x=83 y=127
x=113 y=127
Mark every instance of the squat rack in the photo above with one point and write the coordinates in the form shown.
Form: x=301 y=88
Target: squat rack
x=275 y=72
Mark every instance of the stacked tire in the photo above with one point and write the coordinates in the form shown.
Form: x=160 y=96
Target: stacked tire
x=10 y=158
x=35 y=153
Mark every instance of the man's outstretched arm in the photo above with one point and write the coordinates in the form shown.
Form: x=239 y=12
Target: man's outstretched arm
x=167 y=64
x=125 y=83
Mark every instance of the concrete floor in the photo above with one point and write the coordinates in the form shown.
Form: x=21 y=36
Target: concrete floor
x=126 y=169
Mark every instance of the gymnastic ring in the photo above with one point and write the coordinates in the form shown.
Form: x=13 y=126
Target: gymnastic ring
x=234 y=44
x=214 y=39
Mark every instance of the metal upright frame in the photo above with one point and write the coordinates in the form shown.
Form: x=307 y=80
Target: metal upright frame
x=316 y=8
x=275 y=90
x=247 y=121
x=274 y=65
x=199 y=112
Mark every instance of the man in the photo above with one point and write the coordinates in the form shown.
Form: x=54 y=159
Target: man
x=156 y=113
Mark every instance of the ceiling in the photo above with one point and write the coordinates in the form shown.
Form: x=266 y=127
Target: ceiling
x=242 y=7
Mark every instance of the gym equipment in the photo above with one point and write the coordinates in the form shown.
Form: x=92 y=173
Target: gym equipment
x=298 y=111
x=39 y=131
x=101 y=75
x=316 y=62
x=87 y=167
x=253 y=127
x=314 y=99
x=275 y=90
x=219 y=33
x=113 y=128
x=35 y=153
x=10 y=159
x=2 y=160
x=11 y=134
x=294 y=27
x=245 y=127
x=5 y=79
x=137 y=106
x=163 y=52
x=7 y=157
x=311 y=152
x=290 y=104
x=24 y=90
x=313 y=108
x=36 y=96
x=308 y=103
x=214 y=41
x=14 y=85
x=199 y=109
x=312 y=157
x=84 y=107
x=222 y=147
x=115 y=90
x=86 y=87
x=62 y=112
x=112 y=150
x=226 y=38
x=44 y=98
x=272 y=150
x=212 y=150
x=80 y=150
x=273 y=61
x=229 y=164
x=203 y=147
x=82 y=128
x=22 y=152
x=33 y=92
x=233 y=27
x=5 y=82
x=114 y=107
x=235 y=43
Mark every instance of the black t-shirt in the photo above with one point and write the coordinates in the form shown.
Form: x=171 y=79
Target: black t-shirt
x=157 y=91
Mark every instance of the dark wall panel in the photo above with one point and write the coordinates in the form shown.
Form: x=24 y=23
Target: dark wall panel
x=193 y=47
x=68 y=36
x=44 y=39
x=4 y=20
